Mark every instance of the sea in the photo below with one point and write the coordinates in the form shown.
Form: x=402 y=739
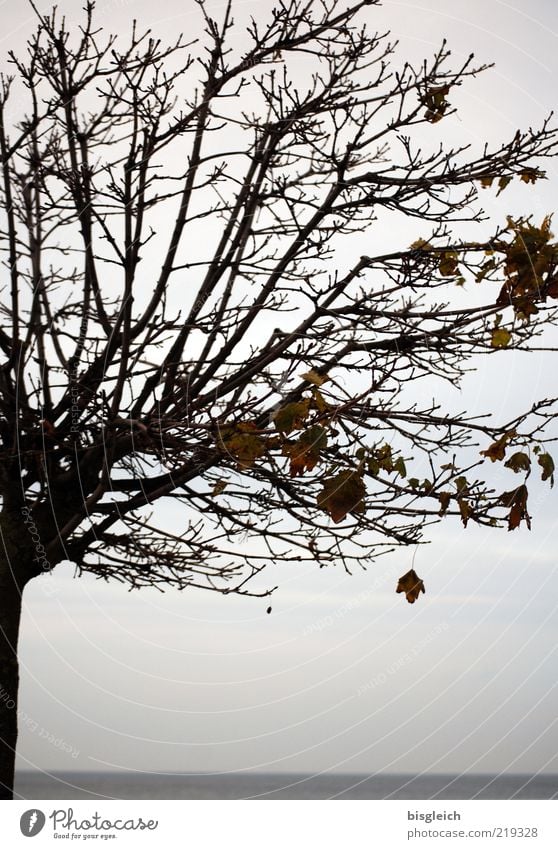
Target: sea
x=141 y=785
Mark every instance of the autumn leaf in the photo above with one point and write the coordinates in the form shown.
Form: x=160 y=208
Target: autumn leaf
x=518 y=462
x=448 y=264
x=444 y=499
x=320 y=402
x=218 y=487
x=465 y=510
x=305 y=452
x=503 y=182
x=501 y=337
x=497 y=451
x=342 y=494
x=420 y=245
x=436 y=103
x=461 y=484
x=411 y=585
x=292 y=416
x=243 y=443
x=546 y=462
x=530 y=175
x=314 y=377
x=486 y=182
x=516 y=499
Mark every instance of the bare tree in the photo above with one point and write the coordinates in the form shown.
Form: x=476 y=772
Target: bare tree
x=178 y=321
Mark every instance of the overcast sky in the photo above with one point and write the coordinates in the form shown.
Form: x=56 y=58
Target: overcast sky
x=343 y=675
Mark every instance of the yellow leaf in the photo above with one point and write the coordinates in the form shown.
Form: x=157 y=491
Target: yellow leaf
x=421 y=245
x=501 y=337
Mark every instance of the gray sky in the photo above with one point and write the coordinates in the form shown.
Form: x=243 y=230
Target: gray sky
x=343 y=675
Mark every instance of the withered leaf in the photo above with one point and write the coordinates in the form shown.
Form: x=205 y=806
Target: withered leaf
x=546 y=462
x=497 y=451
x=344 y=493
x=218 y=487
x=244 y=444
x=292 y=416
x=314 y=377
x=444 y=499
x=448 y=264
x=465 y=510
x=518 y=462
x=516 y=499
x=305 y=452
x=411 y=585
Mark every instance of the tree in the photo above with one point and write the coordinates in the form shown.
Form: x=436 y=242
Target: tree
x=163 y=208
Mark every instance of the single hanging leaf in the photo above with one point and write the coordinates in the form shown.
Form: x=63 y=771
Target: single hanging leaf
x=465 y=510
x=518 y=462
x=546 y=462
x=444 y=499
x=503 y=182
x=411 y=585
x=342 y=494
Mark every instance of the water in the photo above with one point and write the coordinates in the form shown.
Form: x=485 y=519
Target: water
x=130 y=785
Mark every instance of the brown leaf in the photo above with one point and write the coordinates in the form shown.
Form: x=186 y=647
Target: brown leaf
x=305 y=452
x=342 y=494
x=411 y=585
x=444 y=499
x=465 y=510
x=516 y=499
x=314 y=377
x=497 y=451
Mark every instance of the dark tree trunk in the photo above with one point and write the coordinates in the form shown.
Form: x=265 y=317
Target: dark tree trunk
x=20 y=560
x=10 y=613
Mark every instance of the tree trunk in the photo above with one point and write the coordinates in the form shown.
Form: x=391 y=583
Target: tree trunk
x=10 y=613
x=21 y=559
